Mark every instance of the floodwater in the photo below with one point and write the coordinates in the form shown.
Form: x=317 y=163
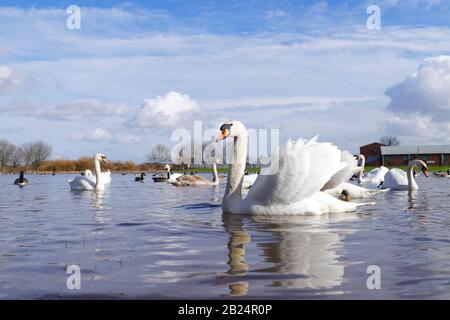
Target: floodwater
x=153 y=240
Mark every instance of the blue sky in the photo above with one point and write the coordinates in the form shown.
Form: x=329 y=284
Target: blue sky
x=137 y=70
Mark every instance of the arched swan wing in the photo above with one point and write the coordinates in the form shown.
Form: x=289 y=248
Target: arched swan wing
x=344 y=174
x=298 y=170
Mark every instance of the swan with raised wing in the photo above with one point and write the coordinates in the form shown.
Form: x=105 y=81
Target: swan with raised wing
x=292 y=183
x=196 y=180
x=86 y=183
x=338 y=185
x=397 y=179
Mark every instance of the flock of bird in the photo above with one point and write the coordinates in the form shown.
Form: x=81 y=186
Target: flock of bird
x=305 y=177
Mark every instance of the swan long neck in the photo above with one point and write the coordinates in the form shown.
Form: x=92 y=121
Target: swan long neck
x=412 y=185
x=98 y=176
x=233 y=192
x=215 y=175
x=363 y=164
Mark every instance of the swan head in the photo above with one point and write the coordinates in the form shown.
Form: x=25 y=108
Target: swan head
x=424 y=169
x=422 y=166
x=101 y=158
x=231 y=129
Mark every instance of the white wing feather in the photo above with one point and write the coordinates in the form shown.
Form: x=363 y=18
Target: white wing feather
x=298 y=170
x=344 y=174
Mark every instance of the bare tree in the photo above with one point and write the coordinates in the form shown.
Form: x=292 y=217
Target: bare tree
x=6 y=152
x=390 y=141
x=17 y=158
x=160 y=154
x=34 y=153
x=192 y=153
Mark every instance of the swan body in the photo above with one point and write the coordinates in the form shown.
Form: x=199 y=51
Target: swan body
x=354 y=191
x=196 y=180
x=21 y=181
x=90 y=183
x=292 y=184
x=249 y=180
x=338 y=183
x=375 y=176
x=397 y=179
x=106 y=176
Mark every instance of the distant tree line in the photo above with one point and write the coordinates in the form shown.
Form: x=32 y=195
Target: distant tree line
x=35 y=156
x=28 y=155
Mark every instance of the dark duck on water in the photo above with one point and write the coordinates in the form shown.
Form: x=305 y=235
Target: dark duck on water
x=21 y=181
x=141 y=178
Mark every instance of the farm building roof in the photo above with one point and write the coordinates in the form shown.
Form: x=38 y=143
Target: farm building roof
x=424 y=149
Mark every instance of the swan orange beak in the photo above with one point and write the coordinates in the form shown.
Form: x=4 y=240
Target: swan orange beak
x=106 y=161
x=225 y=133
x=425 y=172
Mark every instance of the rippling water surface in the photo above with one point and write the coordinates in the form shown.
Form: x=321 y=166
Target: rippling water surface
x=153 y=240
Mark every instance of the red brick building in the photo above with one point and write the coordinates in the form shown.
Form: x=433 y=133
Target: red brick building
x=372 y=152
x=402 y=155
x=378 y=154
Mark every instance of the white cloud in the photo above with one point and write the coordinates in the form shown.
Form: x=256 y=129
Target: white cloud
x=89 y=109
x=431 y=3
x=128 y=139
x=170 y=110
x=421 y=103
x=426 y=91
x=103 y=135
x=271 y=14
x=418 y=127
x=10 y=78
x=98 y=135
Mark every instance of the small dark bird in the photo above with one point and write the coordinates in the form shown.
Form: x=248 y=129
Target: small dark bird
x=141 y=178
x=21 y=181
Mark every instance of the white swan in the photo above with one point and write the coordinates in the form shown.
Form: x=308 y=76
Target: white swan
x=397 y=179
x=249 y=180
x=375 y=176
x=86 y=183
x=196 y=180
x=171 y=176
x=339 y=181
x=106 y=176
x=292 y=183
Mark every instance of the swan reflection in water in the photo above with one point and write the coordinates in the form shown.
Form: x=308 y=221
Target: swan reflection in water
x=98 y=200
x=418 y=204
x=305 y=248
